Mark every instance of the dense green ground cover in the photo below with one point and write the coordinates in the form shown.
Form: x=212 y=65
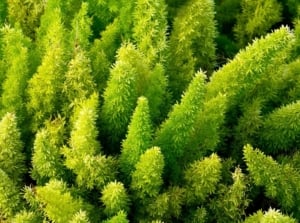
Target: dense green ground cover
x=122 y=111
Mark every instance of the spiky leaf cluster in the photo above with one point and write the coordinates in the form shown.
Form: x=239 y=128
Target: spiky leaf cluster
x=150 y=27
x=185 y=37
x=19 y=60
x=147 y=177
x=12 y=158
x=138 y=138
x=256 y=18
x=45 y=86
x=115 y=198
x=201 y=178
x=266 y=172
x=174 y=133
x=272 y=216
x=55 y=196
x=47 y=160
x=103 y=119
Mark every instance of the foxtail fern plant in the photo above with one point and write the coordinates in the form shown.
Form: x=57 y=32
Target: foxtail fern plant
x=83 y=156
x=173 y=135
x=18 y=57
x=44 y=88
x=202 y=177
x=121 y=93
x=56 y=196
x=12 y=156
x=10 y=199
x=138 y=138
x=271 y=215
x=266 y=172
x=147 y=176
x=191 y=44
x=149 y=30
x=115 y=198
x=47 y=161
x=280 y=129
x=257 y=18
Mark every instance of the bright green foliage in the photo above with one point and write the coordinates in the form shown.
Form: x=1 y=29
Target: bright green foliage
x=45 y=86
x=79 y=83
x=10 y=200
x=289 y=82
x=81 y=28
x=94 y=171
x=158 y=208
x=249 y=123
x=276 y=89
x=102 y=53
x=52 y=9
x=120 y=217
x=11 y=148
x=83 y=156
x=167 y=205
x=17 y=59
x=131 y=77
x=265 y=171
x=257 y=17
x=176 y=199
x=293 y=160
x=155 y=88
x=113 y=125
x=174 y=133
x=55 y=197
x=121 y=93
x=150 y=27
x=138 y=138
x=201 y=178
x=270 y=216
x=26 y=13
x=80 y=217
x=84 y=132
x=240 y=77
x=191 y=43
x=29 y=194
x=147 y=177
x=27 y=217
x=47 y=161
x=231 y=204
x=115 y=198
x=67 y=9
x=280 y=130
x=126 y=18
x=206 y=133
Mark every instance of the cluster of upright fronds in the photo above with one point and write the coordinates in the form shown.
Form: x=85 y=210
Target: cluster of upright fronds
x=149 y=111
